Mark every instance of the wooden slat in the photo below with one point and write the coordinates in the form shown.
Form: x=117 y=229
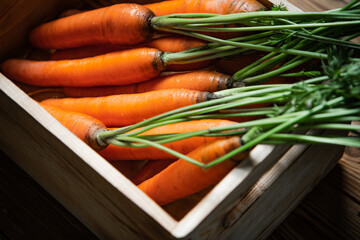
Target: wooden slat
x=73 y=173
x=331 y=211
x=281 y=189
x=337 y=198
x=314 y=5
x=326 y=213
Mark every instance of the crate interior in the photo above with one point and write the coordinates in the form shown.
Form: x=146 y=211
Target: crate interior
x=24 y=16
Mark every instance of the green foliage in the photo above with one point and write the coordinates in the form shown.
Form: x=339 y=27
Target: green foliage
x=280 y=7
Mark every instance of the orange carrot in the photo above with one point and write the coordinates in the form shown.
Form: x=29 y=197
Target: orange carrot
x=187 y=6
x=150 y=169
x=207 y=81
x=207 y=6
x=204 y=6
x=86 y=51
x=175 y=43
x=182 y=178
x=83 y=126
x=126 y=24
x=116 y=68
x=178 y=44
x=113 y=153
x=122 y=110
x=165 y=44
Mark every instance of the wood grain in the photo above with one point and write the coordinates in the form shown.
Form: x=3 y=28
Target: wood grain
x=72 y=172
x=332 y=209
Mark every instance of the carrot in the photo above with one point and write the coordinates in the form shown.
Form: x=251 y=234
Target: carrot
x=207 y=81
x=178 y=44
x=175 y=43
x=182 y=178
x=165 y=44
x=117 y=68
x=126 y=24
x=204 y=6
x=86 y=51
x=121 y=110
x=188 y=6
x=207 y=6
x=150 y=169
x=113 y=153
x=83 y=126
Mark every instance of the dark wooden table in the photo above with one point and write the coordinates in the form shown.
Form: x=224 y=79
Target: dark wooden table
x=330 y=211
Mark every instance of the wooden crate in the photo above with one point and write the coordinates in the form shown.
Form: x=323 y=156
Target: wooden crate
x=247 y=204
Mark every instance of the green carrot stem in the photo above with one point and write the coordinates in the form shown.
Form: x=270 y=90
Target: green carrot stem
x=257 y=140
x=154 y=125
x=249 y=46
x=196 y=18
x=349 y=5
x=212 y=53
x=336 y=140
x=253 y=90
x=336 y=126
x=250 y=143
x=258 y=66
x=239 y=74
x=159 y=146
x=324 y=39
x=219 y=131
x=274 y=73
x=302 y=74
x=233 y=129
x=251 y=37
x=268 y=61
x=334 y=113
x=270 y=28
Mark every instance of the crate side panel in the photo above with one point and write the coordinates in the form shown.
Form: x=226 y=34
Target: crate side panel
x=71 y=180
x=205 y=221
x=283 y=194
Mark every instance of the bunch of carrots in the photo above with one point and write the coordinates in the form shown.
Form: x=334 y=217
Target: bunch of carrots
x=129 y=78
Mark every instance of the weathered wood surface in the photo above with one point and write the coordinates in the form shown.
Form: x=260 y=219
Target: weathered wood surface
x=73 y=173
x=332 y=209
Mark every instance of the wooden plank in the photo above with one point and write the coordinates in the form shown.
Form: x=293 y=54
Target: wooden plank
x=349 y=174
x=202 y=222
x=332 y=209
x=340 y=189
x=74 y=174
x=280 y=195
x=313 y=5
x=326 y=213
